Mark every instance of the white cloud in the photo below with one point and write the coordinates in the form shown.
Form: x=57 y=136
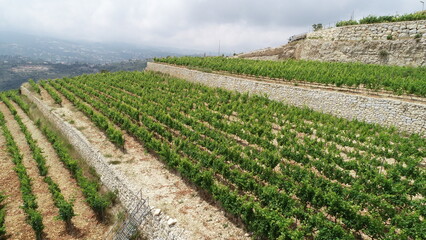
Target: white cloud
x=240 y=25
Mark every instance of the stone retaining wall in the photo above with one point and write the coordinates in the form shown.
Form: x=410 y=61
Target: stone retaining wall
x=399 y=43
x=406 y=116
x=368 y=32
x=155 y=225
x=399 y=52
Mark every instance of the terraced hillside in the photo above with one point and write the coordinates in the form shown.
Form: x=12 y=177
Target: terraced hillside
x=395 y=79
x=45 y=193
x=284 y=172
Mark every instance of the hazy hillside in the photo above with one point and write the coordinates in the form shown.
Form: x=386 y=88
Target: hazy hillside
x=15 y=70
x=64 y=51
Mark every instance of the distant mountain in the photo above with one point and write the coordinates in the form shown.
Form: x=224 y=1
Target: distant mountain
x=15 y=70
x=63 y=51
x=24 y=56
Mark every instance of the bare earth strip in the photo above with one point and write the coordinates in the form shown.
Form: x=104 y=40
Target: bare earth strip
x=53 y=228
x=16 y=226
x=164 y=189
x=85 y=223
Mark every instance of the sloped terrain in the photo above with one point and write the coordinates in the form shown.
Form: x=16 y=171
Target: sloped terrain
x=165 y=189
x=281 y=170
x=48 y=183
x=287 y=51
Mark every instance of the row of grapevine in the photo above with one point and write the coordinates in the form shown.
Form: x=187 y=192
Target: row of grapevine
x=302 y=155
x=114 y=135
x=400 y=80
x=34 y=86
x=52 y=93
x=222 y=147
x=97 y=201
x=240 y=126
x=34 y=218
x=66 y=211
x=14 y=95
x=101 y=89
x=2 y=215
x=253 y=153
x=384 y=19
x=195 y=172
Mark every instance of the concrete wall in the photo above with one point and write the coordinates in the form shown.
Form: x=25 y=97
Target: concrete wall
x=155 y=225
x=407 y=116
x=369 y=32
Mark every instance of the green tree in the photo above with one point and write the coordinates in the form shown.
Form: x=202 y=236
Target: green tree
x=317 y=27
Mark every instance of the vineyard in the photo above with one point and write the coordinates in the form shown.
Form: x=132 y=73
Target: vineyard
x=286 y=172
x=399 y=80
x=384 y=19
x=49 y=188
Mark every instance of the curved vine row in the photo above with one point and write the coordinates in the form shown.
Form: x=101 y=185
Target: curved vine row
x=66 y=211
x=286 y=172
x=34 y=218
x=400 y=80
x=2 y=215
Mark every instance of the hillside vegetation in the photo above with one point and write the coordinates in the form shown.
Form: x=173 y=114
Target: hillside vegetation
x=399 y=80
x=44 y=196
x=286 y=172
x=383 y=19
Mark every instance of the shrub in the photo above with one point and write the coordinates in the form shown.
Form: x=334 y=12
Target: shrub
x=368 y=20
x=412 y=16
x=317 y=27
x=34 y=218
x=383 y=54
x=36 y=221
x=382 y=19
x=2 y=215
x=346 y=23
x=34 y=86
x=386 y=19
x=96 y=201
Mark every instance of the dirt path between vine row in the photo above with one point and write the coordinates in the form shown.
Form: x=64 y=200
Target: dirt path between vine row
x=16 y=226
x=165 y=190
x=85 y=223
x=52 y=227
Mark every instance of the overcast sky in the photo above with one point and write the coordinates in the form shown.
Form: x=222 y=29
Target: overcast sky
x=239 y=25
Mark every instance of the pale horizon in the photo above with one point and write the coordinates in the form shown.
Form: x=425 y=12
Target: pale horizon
x=239 y=26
